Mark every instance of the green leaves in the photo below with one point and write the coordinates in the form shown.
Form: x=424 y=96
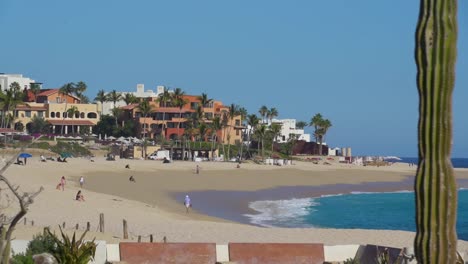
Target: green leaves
x=73 y=251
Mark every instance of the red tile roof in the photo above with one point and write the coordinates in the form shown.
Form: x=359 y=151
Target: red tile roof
x=71 y=122
x=47 y=92
x=129 y=107
x=29 y=96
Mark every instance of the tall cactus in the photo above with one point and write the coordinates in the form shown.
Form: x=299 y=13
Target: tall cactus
x=435 y=186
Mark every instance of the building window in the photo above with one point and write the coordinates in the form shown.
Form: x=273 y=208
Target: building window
x=237 y=122
x=193 y=105
x=82 y=115
x=57 y=115
x=237 y=132
x=92 y=115
x=28 y=113
x=52 y=115
x=58 y=100
x=40 y=113
x=64 y=114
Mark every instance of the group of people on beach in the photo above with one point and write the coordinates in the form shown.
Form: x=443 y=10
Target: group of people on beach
x=79 y=196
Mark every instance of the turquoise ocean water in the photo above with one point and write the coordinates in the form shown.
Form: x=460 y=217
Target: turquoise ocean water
x=394 y=211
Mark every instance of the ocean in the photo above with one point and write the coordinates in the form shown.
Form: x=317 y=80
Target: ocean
x=456 y=162
x=374 y=210
x=392 y=211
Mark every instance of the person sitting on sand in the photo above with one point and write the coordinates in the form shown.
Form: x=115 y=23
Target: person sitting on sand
x=127 y=166
x=43 y=159
x=79 y=196
x=131 y=179
x=62 y=183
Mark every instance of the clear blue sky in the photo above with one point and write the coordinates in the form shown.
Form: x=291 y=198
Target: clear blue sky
x=352 y=61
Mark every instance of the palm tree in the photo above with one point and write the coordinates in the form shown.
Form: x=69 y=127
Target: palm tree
x=116 y=113
x=35 y=89
x=315 y=122
x=215 y=126
x=146 y=109
x=72 y=112
x=164 y=98
x=260 y=133
x=67 y=90
x=233 y=111
x=114 y=97
x=275 y=130
x=101 y=97
x=80 y=88
x=301 y=124
x=321 y=127
x=243 y=115
x=129 y=98
x=8 y=102
x=205 y=101
x=180 y=102
x=263 y=111
x=252 y=122
x=271 y=114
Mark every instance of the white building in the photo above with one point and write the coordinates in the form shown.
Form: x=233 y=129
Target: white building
x=140 y=93
x=288 y=127
x=7 y=79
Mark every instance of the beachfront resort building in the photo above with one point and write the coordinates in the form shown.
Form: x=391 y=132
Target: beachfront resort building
x=7 y=79
x=288 y=128
x=53 y=106
x=139 y=93
x=173 y=122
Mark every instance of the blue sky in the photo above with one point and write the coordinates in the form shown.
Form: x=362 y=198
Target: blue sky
x=352 y=61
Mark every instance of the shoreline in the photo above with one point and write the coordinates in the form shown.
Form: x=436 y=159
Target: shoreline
x=151 y=205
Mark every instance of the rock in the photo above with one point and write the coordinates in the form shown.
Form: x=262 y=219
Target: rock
x=44 y=258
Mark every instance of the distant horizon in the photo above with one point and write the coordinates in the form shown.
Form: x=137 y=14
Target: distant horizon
x=352 y=62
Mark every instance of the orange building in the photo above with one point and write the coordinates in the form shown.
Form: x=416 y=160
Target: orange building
x=175 y=121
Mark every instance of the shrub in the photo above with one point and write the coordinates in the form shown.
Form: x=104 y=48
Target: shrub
x=39 y=244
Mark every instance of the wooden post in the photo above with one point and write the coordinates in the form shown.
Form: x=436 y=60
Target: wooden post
x=151 y=238
x=125 y=229
x=25 y=221
x=101 y=222
x=32 y=223
x=88 y=226
x=63 y=225
x=164 y=239
x=139 y=239
x=77 y=226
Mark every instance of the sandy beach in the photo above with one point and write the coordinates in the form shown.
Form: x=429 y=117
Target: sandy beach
x=151 y=205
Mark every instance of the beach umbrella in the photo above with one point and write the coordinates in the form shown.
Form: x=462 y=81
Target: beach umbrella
x=65 y=155
x=99 y=136
x=25 y=155
x=93 y=135
x=111 y=138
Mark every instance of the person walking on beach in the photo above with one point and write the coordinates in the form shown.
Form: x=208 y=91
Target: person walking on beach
x=62 y=183
x=187 y=203
x=81 y=181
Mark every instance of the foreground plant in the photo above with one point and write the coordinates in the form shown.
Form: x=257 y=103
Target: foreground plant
x=435 y=186
x=73 y=251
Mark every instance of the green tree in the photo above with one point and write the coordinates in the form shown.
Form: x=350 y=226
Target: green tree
x=180 y=102
x=114 y=97
x=8 y=102
x=275 y=130
x=260 y=133
x=233 y=111
x=301 y=124
x=243 y=115
x=130 y=98
x=101 y=97
x=164 y=99
x=252 y=122
x=272 y=113
x=35 y=89
x=39 y=125
x=73 y=251
x=263 y=112
x=67 y=89
x=435 y=185
x=146 y=109
x=71 y=113
x=105 y=126
x=321 y=127
x=80 y=89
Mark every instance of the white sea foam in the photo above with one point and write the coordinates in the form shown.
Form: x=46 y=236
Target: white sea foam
x=331 y=195
x=286 y=213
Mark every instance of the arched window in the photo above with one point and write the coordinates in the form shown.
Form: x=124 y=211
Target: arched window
x=57 y=115
x=92 y=115
x=52 y=114
x=77 y=114
x=64 y=114
x=82 y=115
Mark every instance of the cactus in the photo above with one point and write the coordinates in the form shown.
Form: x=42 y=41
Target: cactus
x=435 y=185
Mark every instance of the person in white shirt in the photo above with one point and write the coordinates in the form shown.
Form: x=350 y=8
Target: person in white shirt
x=81 y=181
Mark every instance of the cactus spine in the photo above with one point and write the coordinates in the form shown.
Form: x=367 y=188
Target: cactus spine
x=435 y=186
